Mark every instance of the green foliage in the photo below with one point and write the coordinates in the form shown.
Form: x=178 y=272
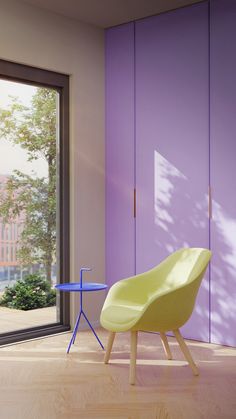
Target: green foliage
x=29 y=293
x=31 y=198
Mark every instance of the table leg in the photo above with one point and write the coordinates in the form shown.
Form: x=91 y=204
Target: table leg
x=91 y=327
x=74 y=331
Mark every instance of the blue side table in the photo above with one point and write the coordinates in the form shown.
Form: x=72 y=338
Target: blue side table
x=81 y=287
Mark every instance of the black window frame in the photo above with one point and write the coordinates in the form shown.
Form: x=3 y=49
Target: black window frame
x=12 y=71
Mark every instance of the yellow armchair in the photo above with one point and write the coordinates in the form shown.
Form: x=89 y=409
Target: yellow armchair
x=159 y=300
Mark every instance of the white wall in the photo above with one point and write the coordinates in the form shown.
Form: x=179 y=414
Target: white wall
x=36 y=37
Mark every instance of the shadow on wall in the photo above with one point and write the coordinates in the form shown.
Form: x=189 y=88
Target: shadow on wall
x=181 y=220
x=223 y=276
x=181 y=210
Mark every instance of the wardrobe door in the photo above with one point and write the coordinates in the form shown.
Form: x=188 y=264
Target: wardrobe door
x=119 y=152
x=172 y=143
x=223 y=157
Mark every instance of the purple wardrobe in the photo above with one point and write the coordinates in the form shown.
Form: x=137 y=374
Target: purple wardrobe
x=169 y=119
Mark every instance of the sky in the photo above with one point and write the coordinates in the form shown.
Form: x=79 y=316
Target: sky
x=14 y=157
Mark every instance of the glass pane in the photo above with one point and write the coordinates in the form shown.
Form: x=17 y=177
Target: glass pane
x=29 y=205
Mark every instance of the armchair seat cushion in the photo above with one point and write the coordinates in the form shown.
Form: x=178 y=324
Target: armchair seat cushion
x=120 y=318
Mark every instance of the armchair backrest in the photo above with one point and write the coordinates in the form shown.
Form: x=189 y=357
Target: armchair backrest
x=172 y=289
x=180 y=268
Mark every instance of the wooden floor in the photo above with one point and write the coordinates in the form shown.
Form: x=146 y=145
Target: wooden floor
x=39 y=381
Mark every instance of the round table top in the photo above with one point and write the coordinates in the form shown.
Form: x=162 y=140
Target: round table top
x=86 y=286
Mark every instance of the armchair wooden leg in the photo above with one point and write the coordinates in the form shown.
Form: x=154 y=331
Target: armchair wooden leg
x=185 y=351
x=133 y=356
x=109 y=347
x=165 y=345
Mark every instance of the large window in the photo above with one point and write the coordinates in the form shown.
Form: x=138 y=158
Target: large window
x=34 y=201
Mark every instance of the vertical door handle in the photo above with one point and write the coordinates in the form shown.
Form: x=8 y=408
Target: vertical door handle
x=134 y=203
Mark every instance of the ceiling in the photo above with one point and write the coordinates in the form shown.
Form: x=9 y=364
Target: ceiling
x=106 y=13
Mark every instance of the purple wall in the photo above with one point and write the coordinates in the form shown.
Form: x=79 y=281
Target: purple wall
x=172 y=143
x=223 y=156
x=119 y=152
